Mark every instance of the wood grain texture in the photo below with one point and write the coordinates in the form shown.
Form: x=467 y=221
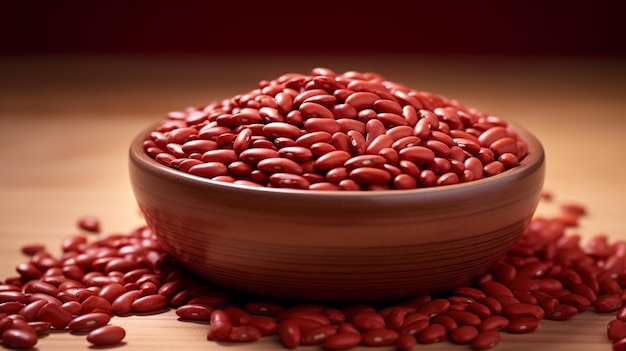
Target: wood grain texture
x=66 y=123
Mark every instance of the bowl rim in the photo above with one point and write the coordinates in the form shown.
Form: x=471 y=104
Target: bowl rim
x=533 y=161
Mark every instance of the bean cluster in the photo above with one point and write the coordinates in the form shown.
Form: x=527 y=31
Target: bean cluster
x=548 y=274
x=323 y=131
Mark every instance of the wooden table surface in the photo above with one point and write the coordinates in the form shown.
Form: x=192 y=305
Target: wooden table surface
x=66 y=123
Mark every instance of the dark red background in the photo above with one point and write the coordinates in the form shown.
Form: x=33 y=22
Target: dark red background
x=207 y=27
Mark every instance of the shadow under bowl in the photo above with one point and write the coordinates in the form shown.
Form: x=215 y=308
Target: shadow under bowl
x=337 y=245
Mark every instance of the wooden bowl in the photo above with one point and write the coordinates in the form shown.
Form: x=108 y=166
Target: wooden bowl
x=337 y=245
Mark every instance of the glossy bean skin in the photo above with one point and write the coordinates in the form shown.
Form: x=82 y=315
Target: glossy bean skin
x=616 y=330
x=244 y=333
x=89 y=321
x=317 y=335
x=486 y=340
x=463 y=334
x=265 y=325
x=55 y=315
x=107 y=335
x=194 y=312
x=123 y=304
x=220 y=325
x=289 y=334
x=19 y=338
x=342 y=341
x=432 y=334
x=379 y=337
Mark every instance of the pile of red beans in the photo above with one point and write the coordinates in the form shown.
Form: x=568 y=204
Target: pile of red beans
x=324 y=131
x=548 y=274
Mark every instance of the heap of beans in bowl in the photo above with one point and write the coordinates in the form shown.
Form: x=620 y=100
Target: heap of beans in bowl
x=329 y=131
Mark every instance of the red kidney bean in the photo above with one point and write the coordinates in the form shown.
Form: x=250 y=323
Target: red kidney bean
x=522 y=324
x=55 y=315
x=284 y=102
x=312 y=315
x=607 y=303
x=464 y=317
x=493 y=289
x=332 y=160
x=405 y=142
x=379 y=337
x=40 y=328
x=470 y=292
x=194 y=312
x=28 y=270
x=395 y=318
x=319 y=149
x=220 y=326
x=368 y=321
x=521 y=309
x=317 y=335
x=478 y=309
x=149 y=303
x=30 y=312
x=358 y=144
x=366 y=115
x=346 y=327
x=616 y=330
x=19 y=338
x=279 y=165
x=448 y=322
x=123 y=304
x=73 y=307
x=619 y=345
x=111 y=292
x=621 y=313
x=493 y=168
x=581 y=303
x=12 y=307
x=264 y=308
x=288 y=180
x=434 y=307
x=89 y=224
x=361 y=100
x=289 y=334
x=493 y=304
x=107 y=335
x=265 y=325
x=384 y=105
x=493 y=323
x=489 y=136
x=88 y=321
x=417 y=154
x=243 y=333
x=463 y=334
x=375 y=161
x=314 y=110
x=369 y=175
x=432 y=334
x=561 y=312
x=342 y=341
x=96 y=304
x=237 y=315
x=486 y=340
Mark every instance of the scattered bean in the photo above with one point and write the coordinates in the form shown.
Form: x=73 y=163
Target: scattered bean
x=107 y=335
x=81 y=294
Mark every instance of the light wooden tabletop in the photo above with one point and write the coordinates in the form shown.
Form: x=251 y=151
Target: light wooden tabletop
x=66 y=123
